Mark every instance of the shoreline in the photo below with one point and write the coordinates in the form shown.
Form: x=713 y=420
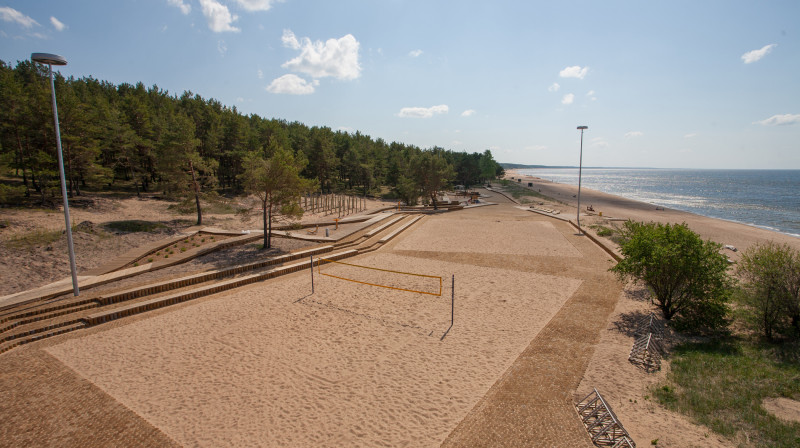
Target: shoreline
x=619 y=208
x=681 y=207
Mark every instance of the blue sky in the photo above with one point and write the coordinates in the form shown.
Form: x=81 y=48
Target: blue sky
x=685 y=84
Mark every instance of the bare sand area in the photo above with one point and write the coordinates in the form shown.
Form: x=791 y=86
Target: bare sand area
x=28 y=261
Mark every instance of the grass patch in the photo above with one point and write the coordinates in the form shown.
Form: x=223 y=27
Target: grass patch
x=34 y=238
x=134 y=225
x=209 y=205
x=602 y=230
x=721 y=384
x=520 y=193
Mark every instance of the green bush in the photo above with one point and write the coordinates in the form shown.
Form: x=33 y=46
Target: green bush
x=12 y=194
x=770 y=290
x=687 y=276
x=134 y=225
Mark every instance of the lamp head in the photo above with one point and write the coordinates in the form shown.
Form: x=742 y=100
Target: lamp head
x=47 y=58
x=583 y=127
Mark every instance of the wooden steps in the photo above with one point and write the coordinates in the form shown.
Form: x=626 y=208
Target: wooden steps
x=35 y=321
x=172 y=299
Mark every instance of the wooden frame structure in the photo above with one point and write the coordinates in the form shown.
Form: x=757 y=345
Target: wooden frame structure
x=602 y=424
x=647 y=350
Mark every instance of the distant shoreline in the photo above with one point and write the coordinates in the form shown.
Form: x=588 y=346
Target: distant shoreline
x=616 y=207
x=770 y=213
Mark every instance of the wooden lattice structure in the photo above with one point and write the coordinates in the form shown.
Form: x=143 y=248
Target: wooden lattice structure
x=647 y=349
x=602 y=424
x=650 y=324
x=646 y=352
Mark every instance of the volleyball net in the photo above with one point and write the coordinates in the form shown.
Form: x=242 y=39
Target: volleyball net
x=383 y=278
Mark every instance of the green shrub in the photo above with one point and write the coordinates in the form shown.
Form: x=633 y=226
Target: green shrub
x=687 y=276
x=12 y=194
x=770 y=290
x=134 y=225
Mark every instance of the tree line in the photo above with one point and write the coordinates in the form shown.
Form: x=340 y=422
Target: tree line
x=133 y=138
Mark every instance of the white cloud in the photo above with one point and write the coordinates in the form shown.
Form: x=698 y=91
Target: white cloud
x=535 y=148
x=292 y=84
x=634 y=134
x=755 y=55
x=335 y=57
x=780 y=120
x=289 y=40
x=219 y=17
x=260 y=74
x=221 y=47
x=256 y=5
x=415 y=53
x=690 y=135
x=554 y=87
x=423 y=112
x=57 y=24
x=568 y=98
x=574 y=72
x=12 y=15
x=468 y=113
x=599 y=142
x=184 y=7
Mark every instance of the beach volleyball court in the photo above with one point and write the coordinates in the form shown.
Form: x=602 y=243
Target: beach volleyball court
x=270 y=365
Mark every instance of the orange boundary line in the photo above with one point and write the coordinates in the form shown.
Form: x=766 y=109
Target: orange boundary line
x=319 y=270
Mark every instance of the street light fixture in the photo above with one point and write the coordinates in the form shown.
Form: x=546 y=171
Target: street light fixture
x=580 y=169
x=51 y=60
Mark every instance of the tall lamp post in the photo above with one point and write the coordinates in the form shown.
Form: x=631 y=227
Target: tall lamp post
x=580 y=170
x=51 y=60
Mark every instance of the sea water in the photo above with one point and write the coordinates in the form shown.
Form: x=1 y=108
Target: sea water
x=768 y=199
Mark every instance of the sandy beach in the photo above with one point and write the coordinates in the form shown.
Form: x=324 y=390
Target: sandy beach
x=615 y=208
x=539 y=322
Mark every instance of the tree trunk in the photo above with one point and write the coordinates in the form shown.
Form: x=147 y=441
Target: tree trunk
x=269 y=234
x=264 y=223
x=73 y=191
x=267 y=223
x=196 y=195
